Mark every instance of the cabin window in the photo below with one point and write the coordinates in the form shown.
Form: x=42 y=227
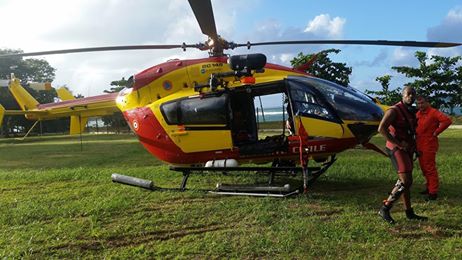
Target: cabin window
x=170 y=112
x=349 y=102
x=197 y=111
x=305 y=102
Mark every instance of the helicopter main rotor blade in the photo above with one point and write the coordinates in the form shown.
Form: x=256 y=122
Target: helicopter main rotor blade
x=108 y=48
x=204 y=15
x=359 y=42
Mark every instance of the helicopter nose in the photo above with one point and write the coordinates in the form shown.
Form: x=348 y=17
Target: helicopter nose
x=363 y=132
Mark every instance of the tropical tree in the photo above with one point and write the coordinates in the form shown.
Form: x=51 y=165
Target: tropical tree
x=437 y=77
x=37 y=70
x=386 y=96
x=116 y=120
x=27 y=70
x=323 y=67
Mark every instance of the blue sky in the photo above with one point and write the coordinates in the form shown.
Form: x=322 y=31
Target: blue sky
x=52 y=24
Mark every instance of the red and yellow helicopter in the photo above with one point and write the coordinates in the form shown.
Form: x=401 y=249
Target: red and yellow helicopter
x=201 y=112
x=79 y=110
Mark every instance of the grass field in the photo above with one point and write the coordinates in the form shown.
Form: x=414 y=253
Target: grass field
x=57 y=201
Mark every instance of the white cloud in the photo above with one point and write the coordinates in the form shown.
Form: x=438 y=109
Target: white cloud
x=285 y=58
x=450 y=28
x=403 y=57
x=446 y=52
x=322 y=25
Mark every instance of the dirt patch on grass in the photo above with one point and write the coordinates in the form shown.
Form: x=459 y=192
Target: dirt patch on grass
x=420 y=231
x=133 y=240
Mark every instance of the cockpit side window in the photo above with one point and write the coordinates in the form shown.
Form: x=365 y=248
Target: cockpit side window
x=349 y=103
x=306 y=103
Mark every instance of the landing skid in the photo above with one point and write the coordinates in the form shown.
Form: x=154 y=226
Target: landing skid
x=295 y=192
x=312 y=173
x=257 y=191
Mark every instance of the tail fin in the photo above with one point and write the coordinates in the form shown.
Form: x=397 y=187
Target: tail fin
x=2 y=113
x=24 y=99
x=64 y=94
x=77 y=123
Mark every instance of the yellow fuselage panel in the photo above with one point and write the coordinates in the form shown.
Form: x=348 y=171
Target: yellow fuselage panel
x=274 y=75
x=383 y=107
x=190 y=141
x=318 y=127
x=185 y=78
x=169 y=84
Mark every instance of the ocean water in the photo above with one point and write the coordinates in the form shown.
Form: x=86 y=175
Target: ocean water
x=270 y=114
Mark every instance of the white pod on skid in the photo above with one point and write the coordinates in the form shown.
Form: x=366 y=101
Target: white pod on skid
x=222 y=163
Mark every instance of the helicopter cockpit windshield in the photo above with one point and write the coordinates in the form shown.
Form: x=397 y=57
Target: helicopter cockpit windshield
x=348 y=103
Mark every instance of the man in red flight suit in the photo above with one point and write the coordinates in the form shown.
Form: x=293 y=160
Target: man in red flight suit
x=398 y=127
x=430 y=123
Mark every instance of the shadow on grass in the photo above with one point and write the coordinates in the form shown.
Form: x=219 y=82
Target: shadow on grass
x=364 y=188
x=48 y=155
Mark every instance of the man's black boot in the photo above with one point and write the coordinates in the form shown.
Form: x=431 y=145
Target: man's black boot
x=432 y=196
x=424 y=192
x=384 y=212
x=411 y=215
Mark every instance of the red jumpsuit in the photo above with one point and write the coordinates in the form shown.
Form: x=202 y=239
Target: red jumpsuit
x=430 y=123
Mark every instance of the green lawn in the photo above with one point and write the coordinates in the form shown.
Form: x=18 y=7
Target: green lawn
x=57 y=201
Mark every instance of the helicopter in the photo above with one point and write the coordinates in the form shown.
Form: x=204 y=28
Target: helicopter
x=79 y=110
x=199 y=114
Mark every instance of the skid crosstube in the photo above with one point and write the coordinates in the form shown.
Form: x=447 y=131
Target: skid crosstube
x=312 y=173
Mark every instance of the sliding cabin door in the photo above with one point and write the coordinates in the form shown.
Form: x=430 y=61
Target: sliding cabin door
x=201 y=123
